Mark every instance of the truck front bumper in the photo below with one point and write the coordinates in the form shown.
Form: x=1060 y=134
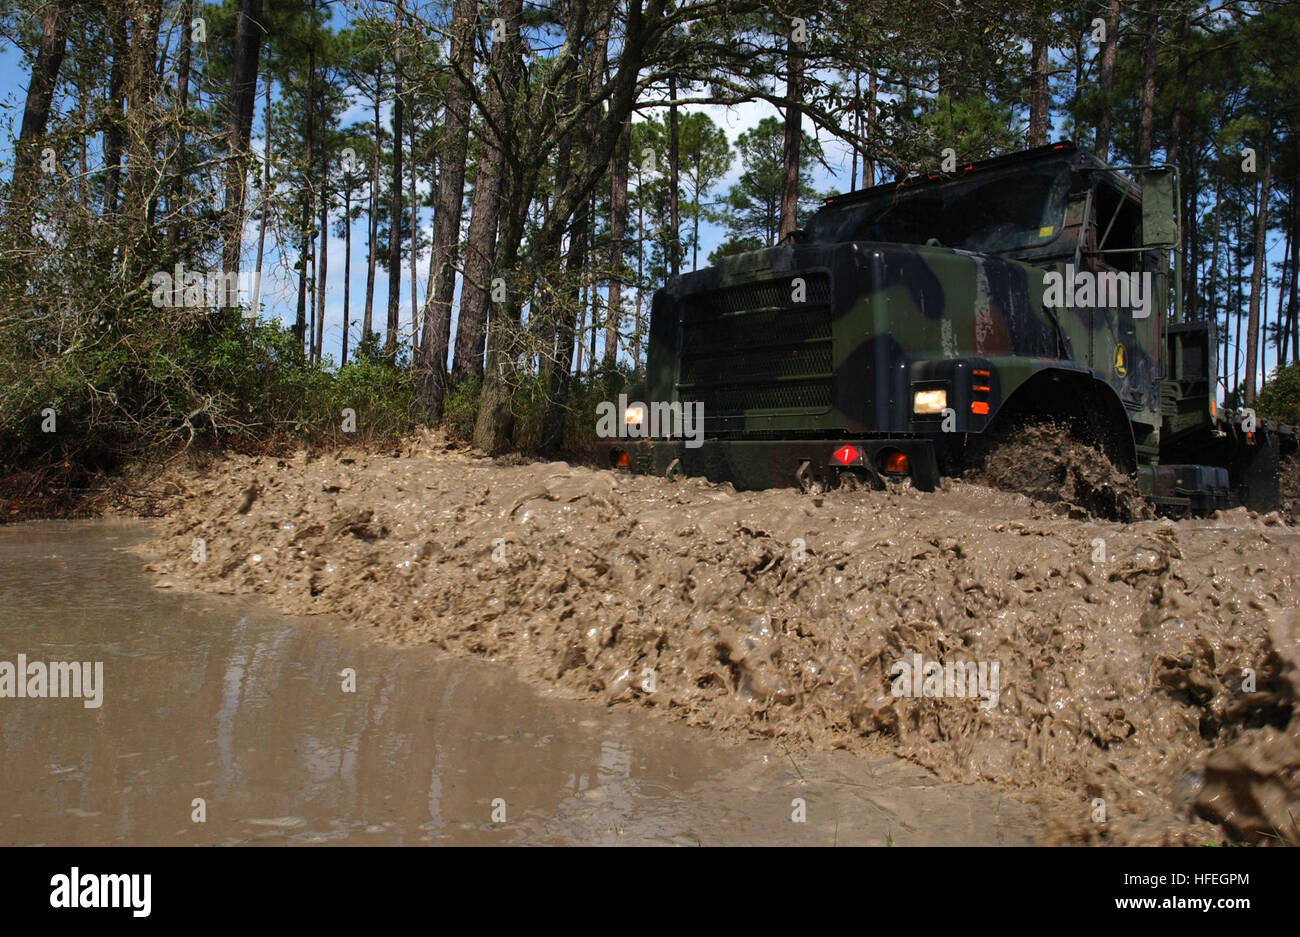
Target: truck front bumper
x=779 y=463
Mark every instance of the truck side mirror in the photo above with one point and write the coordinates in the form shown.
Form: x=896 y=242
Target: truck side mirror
x=1160 y=225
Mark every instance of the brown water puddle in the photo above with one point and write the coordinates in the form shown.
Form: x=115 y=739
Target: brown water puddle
x=224 y=700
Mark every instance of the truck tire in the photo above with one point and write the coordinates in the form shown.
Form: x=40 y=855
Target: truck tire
x=1048 y=461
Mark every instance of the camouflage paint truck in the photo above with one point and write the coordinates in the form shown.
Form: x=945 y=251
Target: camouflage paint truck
x=908 y=320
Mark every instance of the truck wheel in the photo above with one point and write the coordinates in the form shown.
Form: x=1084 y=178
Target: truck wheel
x=1050 y=462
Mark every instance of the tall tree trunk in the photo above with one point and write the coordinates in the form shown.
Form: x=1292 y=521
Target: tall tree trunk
x=433 y=192
x=857 y=130
x=1192 y=235
x=40 y=95
x=593 y=294
x=569 y=327
x=1147 y=94
x=142 y=114
x=674 y=186
x=1279 y=316
x=1080 y=43
x=484 y=219
x=1175 y=148
x=84 y=94
x=617 y=232
x=1236 y=340
x=432 y=385
x=869 y=164
x=311 y=301
x=114 y=130
x=547 y=314
x=1106 y=81
x=308 y=186
x=347 y=263
x=695 y=226
x=266 y=197
x=413 y=257
x=372 y=236
x=790 y=152
x=174 y=199
x=1173 y=155
x=640 y=270
x=243 y=95
x=1038 y=96
x=1253 y=354
x=1212 y=293
x=484 y=214
x=395 y=206
x=322 y=270
x=494 y=428
x=1293 y=316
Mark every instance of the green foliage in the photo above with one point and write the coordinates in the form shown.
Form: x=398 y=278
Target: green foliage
x=1280 y=398
x=705 y=157
x=205 y=383
x=586 y=391
x=735 y=245
x=753 y=207
x=460 y=408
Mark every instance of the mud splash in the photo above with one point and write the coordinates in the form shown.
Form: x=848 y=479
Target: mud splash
x=1120 y=648
x=1251 y=784
x=1046 y=462
x=1289 y=479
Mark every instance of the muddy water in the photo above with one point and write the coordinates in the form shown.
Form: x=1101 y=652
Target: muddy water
x=223 y=699
x=1148 y=666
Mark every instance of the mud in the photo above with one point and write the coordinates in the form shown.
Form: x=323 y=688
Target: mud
x=1047 y=463
x=1289 y=478
x=1121 y=710
x=222 y=699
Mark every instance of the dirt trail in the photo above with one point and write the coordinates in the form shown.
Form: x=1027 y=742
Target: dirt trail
x=1119 y=649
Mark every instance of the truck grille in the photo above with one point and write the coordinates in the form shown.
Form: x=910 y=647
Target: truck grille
x=751 y=347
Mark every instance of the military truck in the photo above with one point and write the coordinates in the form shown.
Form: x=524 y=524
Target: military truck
x=908 y=321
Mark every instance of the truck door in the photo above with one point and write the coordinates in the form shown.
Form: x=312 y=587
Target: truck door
x=1116 y=347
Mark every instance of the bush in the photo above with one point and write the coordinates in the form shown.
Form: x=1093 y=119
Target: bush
x=1280 y=398
x=460 y=409
x=203 y=381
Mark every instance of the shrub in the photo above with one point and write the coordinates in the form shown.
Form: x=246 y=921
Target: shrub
x=1280 y=398
x=460 y=409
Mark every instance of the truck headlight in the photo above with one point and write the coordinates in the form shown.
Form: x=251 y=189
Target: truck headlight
x=633 y=415
x=929 y=401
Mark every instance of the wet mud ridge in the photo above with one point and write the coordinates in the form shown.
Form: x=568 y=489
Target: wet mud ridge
x=1135 y=682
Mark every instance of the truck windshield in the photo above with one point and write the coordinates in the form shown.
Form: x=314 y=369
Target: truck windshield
x=1011 y=210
